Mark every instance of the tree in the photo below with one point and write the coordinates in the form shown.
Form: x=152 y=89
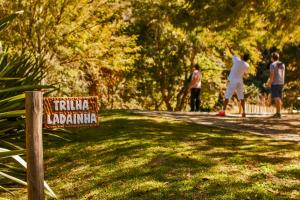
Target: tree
x=18 y=73
x=168 y=54
x=291 y=53
x=77 y=39
x=147 y=48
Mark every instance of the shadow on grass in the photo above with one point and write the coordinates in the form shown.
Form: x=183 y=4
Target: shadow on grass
x=289 y=173
x=134 y=157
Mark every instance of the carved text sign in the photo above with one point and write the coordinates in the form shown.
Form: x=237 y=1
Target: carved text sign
x=70 y=112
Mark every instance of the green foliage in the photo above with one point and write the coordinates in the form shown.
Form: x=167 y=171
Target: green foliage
x=212 y=84
x=77 y=39
x=139 y=53
x=18 y=73
x=206 y=26
x=252 y=94
x=291 y=58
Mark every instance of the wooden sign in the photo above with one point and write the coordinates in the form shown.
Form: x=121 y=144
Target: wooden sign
x=70 y=111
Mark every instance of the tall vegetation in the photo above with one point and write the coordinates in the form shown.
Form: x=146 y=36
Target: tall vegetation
x=82 y=43
x=18 y=72
x=139 y=53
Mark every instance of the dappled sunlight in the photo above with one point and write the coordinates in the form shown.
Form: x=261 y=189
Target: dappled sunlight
x=136 y=157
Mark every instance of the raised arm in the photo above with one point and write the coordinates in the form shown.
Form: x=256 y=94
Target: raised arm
x=230 y=49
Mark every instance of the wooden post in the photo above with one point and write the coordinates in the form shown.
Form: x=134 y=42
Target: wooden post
x=34 y=145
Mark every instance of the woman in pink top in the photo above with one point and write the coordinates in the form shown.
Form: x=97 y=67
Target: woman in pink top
x=195 y=87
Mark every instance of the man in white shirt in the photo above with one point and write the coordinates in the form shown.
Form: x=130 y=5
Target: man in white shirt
x=238 y=71
x=195 y=87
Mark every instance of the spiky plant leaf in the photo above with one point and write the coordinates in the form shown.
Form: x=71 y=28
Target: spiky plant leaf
x=18 y=73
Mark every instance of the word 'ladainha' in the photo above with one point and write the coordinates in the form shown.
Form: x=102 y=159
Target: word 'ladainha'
x=68 y=119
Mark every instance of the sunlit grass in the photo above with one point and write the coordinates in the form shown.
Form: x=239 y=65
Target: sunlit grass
x=136 y=157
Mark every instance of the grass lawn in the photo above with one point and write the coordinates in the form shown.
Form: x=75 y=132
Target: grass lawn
x=136 y=157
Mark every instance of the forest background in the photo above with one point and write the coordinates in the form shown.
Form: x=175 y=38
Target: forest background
x=138 y=54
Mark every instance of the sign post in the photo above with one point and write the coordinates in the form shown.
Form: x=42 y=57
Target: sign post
x=58 y=112
x=34 y=144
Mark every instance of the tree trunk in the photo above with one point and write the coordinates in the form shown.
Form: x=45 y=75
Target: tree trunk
x=181 y=98
x=167 y=102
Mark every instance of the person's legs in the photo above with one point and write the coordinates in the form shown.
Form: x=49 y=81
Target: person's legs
x=243 y=107
x=240 y=94
x=278 y=104
x=197 y=97
x=231 y=87
x=276 y=91
x=228 y=94
x=222 y=112
x=225 y=104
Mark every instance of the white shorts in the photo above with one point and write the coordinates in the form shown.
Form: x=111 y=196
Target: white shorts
x=232 y=87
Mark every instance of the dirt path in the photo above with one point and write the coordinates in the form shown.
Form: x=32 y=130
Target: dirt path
x=286 y=128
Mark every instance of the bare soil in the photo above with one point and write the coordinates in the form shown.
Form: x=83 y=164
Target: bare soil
x=286 y=128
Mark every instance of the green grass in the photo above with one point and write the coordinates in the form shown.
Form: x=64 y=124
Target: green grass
x=136 y=157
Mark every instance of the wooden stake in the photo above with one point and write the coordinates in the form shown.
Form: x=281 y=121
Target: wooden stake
x=34 y=145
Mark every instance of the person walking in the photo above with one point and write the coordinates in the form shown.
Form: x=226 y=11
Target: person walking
x=276 y=82
x=195 y=87
x=235 y=82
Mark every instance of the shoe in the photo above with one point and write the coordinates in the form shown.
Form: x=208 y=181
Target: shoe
x=277 y=115
x=221 y=114
x=244 y=115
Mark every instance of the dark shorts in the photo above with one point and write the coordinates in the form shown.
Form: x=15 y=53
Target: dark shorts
x=276 y=91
